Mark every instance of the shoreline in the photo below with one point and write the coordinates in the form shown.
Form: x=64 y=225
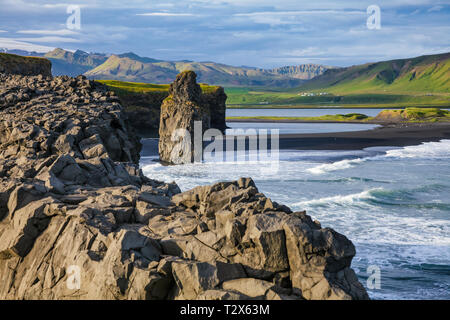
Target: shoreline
x=355 y=106
x=389 y=135
x=256 y=120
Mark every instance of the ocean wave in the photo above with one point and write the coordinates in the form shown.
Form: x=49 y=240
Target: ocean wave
x=426 y=150
x=334 y=166
x=384 y=197
x=340 y=199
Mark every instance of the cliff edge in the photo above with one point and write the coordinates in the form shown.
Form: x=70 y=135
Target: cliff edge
x=26 y=66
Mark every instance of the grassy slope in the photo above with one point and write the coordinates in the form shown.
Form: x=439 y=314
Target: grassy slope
x=421 y=81
x=13 y=58
x=139 y=87
x=423 y=74
x=242 y=97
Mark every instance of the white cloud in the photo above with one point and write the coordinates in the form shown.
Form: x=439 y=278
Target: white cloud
x=61 y=32
x=166 y=14
x=293 y=17
x=9 y=43
x=302 y=12
x=48 y=39
x=435 y=8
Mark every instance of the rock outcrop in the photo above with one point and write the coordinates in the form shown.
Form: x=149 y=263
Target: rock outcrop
x=185 y=105
x=143 y=110
x=143 y=107
x=26 y=66
x=78 y=220
x=216 y=101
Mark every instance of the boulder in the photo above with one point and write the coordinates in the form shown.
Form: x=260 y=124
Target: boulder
x=193 y=278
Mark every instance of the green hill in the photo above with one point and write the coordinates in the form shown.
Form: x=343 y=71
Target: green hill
x=421 y=82
x=425 y=74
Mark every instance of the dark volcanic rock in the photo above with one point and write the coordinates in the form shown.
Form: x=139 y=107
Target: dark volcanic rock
x=185 y=88
x=179 y=111
x=143 y=111
x=216 y=101
x=78 y=220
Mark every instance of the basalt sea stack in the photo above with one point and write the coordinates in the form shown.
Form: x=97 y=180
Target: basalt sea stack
x=185 y=105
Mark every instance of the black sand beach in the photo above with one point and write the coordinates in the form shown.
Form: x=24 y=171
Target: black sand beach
x=392 y=135
x=399 y=135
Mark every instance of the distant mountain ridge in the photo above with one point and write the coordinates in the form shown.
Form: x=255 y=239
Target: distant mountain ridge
x=131 y=67
x=304 y=71
x=73 y=63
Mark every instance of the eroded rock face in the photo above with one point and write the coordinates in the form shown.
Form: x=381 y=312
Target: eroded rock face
x=78 y=220
x=216 y=101
x=284 y=254
x=184 y=106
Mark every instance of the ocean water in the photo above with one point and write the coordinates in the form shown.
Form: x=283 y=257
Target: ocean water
x=277 y=112
x=290 y=128
x=315 y=112
x=392 y=203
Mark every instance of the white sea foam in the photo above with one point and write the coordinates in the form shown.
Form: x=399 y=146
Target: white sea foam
x=427 y=150
x=340 y=199
x=360 y=214
x=334 y=166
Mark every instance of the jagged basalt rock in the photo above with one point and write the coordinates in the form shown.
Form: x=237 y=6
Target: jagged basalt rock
x=74 y=205
x=184 y=106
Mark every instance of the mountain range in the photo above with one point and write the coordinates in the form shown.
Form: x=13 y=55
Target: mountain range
x=131 y=67
x=428 y=73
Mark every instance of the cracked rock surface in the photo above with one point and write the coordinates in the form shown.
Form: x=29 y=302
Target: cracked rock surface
x=72 y=194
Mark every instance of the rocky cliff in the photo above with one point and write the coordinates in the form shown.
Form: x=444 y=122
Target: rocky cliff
x=78 y=220
x=27 y=66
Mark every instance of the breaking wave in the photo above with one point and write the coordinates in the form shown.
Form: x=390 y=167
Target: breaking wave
x=428 y=150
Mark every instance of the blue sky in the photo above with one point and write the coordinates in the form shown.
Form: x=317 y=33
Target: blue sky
x=256 y=33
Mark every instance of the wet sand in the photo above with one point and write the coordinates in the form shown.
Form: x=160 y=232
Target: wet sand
x=391 y=135
x=388 y=135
